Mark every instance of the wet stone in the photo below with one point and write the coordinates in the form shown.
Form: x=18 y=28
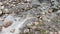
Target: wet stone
x=31 y=16
x=7 y=23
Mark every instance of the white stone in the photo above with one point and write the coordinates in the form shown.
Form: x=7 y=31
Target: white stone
x=58 y=11
x=2 y=7
x=1 y=3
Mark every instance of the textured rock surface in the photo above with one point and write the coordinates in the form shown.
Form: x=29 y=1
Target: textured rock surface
x=30 y=16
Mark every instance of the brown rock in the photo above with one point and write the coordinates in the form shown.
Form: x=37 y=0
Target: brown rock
x=50 y=10
x=7 y=23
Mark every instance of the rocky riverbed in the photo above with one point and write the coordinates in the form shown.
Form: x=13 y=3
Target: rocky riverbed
x=29 y=16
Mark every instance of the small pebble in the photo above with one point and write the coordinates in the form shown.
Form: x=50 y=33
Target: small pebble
x=58 y=11
x=26 y=30
x=36 y=23
x=12 y=30
x=34 y=27
x=1 y=3
x=51 y=33
x=26 y=1
x=43 y=13
x=58 y=32
x=50 y=10
x=29 y=24
x=2 y=19
x=1 y=24
x=2 y=7
x=0 y=12
x=0 y=28
x=6 y=11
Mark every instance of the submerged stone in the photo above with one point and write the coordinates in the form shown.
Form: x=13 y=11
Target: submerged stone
x=7 y=23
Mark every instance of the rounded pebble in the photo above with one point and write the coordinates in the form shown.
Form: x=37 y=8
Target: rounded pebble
x=7 y=23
